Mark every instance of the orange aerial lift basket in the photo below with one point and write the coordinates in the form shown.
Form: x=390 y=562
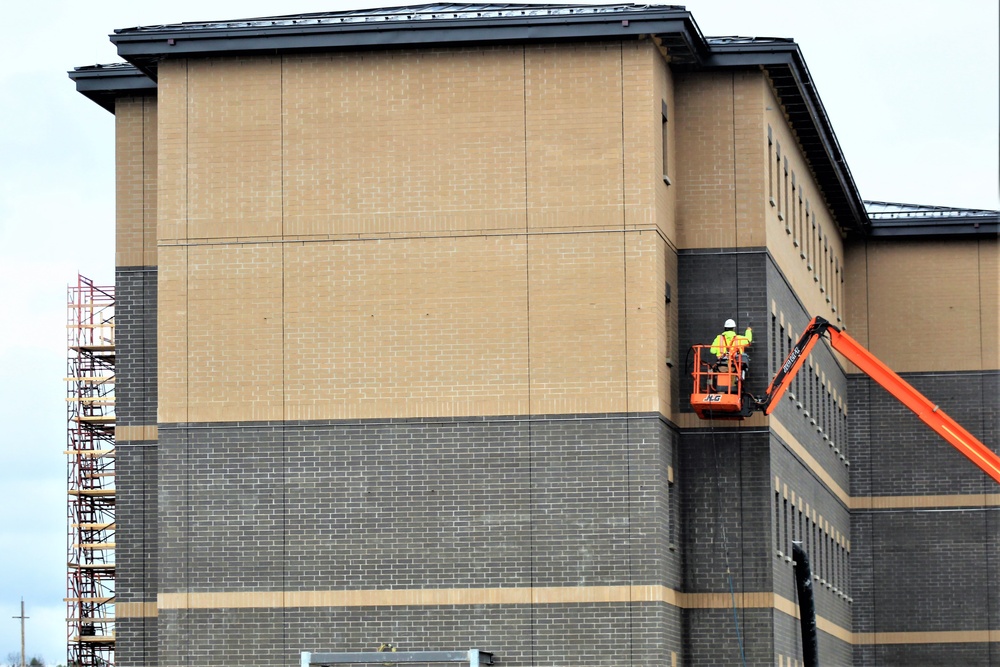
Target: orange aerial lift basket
x=718 y=385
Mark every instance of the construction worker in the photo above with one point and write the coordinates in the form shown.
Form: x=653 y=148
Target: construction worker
x=728 y=347
x=729 y=339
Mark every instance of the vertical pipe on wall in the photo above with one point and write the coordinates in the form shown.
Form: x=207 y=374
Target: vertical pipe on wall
x=807 y=606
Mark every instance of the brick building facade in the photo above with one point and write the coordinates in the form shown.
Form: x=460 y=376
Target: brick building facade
x=404 y=304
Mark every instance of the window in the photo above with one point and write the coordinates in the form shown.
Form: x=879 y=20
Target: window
x=777 y=184
x=777 y=522
x=829 y=270
x=775 y=362
x=813 y=248
x=822 y=263
x=665 y=143
x=836 y=281
x=770 y=167
x=796 y=237
x=786 y=188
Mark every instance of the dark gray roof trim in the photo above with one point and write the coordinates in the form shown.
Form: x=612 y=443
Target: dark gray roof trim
x=467 y=24
x=896 y=219
x=785 y=66
x=104 y=83
x=410 y=26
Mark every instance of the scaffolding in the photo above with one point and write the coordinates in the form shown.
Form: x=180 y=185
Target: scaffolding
x=90 y=516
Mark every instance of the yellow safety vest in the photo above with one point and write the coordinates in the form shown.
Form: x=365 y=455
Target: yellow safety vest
x=730 y=339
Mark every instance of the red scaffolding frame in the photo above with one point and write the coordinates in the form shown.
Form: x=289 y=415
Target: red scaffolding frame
x=90 y=516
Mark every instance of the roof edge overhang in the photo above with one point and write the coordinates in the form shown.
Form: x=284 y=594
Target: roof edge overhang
x=955 y=228
x=466 y=25
x=900 y=220
x=786 y=68
x=145 y=47
x=103 y=84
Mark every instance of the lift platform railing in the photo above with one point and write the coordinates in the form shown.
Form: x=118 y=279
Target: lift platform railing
x=718 y=382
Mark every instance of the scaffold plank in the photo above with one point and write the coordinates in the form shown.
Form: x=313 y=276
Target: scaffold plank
x=96 y=546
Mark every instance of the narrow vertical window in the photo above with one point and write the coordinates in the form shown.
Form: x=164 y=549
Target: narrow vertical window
x=770 y=167
x=828 y=410
x=774 y=344
x=836 y=281
x=847 y=570
x=812 y=540
x=822 y=263
x=796 y=237
x=829 y=270
x=667 y=298
x=786 y=185
x=807 y=246
x=777 y=522
x=813 y=248
x=804 y=532
x=802 y=219
x=671 y=509
x=777 y=184
x=806 y=216
x=665 y=143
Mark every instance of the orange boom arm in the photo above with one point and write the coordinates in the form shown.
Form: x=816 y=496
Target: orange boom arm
x=927 y=411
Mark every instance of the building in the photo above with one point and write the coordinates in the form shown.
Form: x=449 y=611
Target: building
x=404 y=305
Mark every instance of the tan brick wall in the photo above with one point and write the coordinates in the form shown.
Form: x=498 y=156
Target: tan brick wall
x=407 y=327
x=927 y=305
x=382 y=267
x=234 y=148
x=172 y=150
x=135 y=181
x=720 y=181
x=730 y=189
x=411 y=327
x=665 y=195
x=171 y=334
x=805 y=241
x=574 y=165
x=404 y=142
x=315 y=146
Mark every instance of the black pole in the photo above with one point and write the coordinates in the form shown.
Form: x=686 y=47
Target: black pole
x=807 y=606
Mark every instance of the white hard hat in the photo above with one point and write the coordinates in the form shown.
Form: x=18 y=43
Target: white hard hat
x=730 y=324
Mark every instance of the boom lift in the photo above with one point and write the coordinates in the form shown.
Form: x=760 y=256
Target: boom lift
x=719 y=391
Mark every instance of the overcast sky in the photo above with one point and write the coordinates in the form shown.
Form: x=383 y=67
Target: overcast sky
x=910 y=86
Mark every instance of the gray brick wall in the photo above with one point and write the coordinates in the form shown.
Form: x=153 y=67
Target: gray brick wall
x=553 y=635
x=808 y=409
x=435 y=503
x=711 y=637
x=136 y=516
x=135 y=345
x=714 y=285
x=924 y=569
x=136 y=461
x=136 y=643
x=726 y=498
x=928 y=655
x=896 y=454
